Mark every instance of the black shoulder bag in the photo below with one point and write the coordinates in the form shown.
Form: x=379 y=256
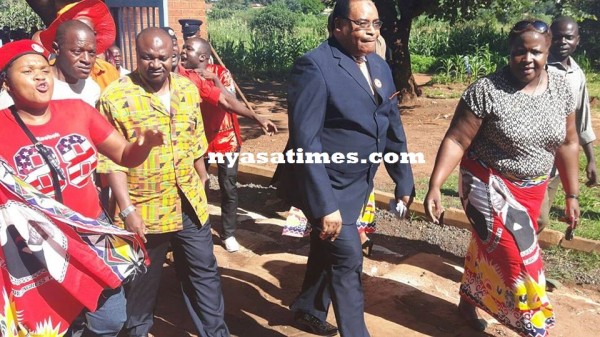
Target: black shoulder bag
x=52 y=162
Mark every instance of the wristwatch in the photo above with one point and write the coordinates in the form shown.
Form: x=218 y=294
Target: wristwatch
x=125 y=213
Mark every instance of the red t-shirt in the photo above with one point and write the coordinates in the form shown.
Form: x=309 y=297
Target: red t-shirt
x=221 y=126
x=72 y=133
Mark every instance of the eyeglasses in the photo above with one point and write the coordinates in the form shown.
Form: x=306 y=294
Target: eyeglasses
x=539 y=26
x=365 y=24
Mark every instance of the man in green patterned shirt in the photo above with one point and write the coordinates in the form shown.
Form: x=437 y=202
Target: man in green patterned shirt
x=163 y=200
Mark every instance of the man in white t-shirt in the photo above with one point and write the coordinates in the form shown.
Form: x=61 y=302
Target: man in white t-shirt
x=114 y=56
x=75 y=49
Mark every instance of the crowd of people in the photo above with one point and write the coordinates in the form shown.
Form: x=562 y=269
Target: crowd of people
x=131 y=147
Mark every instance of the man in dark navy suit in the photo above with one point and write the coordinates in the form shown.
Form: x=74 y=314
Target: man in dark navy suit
x=341 y=100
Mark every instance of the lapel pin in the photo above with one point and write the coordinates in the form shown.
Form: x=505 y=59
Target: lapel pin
x=377 y=83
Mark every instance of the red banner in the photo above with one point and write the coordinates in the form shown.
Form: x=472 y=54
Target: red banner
x=53 y=261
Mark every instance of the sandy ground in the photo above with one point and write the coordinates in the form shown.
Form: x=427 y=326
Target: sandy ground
x=409 y=291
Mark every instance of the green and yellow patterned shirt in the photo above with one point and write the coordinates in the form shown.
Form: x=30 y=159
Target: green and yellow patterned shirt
x=153 y=186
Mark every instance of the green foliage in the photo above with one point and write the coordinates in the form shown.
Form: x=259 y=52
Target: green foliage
x=505 y=11
x=437 y=38
x=466 y=68
x=220 y=13
x=570 y=265
x=274 y=22
x=589 y=29
x=249 y=52
x=234 y=5
x=593 y=84
x=449 y=190
x=16 y=14
x=423 y=64
x=589 y=203
x=584 y=62
x=311 y=6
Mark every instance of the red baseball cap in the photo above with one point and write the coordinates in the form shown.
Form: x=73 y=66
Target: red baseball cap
x=13 y=50
x=95 y=11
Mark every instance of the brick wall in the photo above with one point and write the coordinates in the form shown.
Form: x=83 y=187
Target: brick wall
x=177 y=9
x=187 y=9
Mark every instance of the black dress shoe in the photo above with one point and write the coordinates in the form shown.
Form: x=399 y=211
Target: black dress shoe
x=315 y=325
x=367 y=247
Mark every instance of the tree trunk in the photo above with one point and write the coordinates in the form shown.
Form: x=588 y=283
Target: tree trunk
x=396 y=33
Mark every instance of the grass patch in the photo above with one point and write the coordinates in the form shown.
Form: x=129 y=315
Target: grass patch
x=438 y=93
x=589 y=204
x=593 y=84
x=449 y=190
x=571 y=265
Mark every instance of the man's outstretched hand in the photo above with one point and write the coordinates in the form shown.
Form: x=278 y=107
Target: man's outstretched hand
x=268 y=127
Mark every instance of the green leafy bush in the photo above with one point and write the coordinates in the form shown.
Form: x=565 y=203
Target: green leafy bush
x=220 y=13
x=423 y=64
x=312 y=6
x=16 y=14
x=437 y=38
x=273 y=22
x=466 y=68
x=253 y=50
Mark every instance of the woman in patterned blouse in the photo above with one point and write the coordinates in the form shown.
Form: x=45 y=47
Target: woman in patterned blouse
x=507 y=131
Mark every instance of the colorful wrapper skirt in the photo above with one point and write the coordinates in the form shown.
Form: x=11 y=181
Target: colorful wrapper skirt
x=297 y=225
x=504 y=272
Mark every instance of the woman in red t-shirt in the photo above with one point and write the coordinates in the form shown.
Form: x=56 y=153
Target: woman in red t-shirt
x=68 y=134
x=70 y=131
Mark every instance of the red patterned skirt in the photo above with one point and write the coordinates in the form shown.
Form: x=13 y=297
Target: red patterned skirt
x=504 y=272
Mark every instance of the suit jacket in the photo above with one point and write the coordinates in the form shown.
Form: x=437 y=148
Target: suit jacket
x=331 y=109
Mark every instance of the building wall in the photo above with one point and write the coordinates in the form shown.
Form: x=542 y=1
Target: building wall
x=187 y=9
x=135 y=20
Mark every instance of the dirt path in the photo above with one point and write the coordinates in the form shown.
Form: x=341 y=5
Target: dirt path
x=411 y=283
x=411 y=288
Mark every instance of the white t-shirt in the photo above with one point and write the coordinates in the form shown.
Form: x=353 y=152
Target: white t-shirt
x=5 y=100
x=87 y=90
x=123 y=71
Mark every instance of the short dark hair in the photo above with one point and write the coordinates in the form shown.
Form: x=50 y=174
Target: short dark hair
x=564 y=19
x=70 y=25
x=340 y=10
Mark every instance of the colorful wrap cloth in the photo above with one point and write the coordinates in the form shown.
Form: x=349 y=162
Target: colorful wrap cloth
x=297 y=225
x=504 y=273
x=53 y=261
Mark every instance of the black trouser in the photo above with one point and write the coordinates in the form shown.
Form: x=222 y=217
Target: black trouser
x=196 y=268
x=227 y=176
x=333 y=274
